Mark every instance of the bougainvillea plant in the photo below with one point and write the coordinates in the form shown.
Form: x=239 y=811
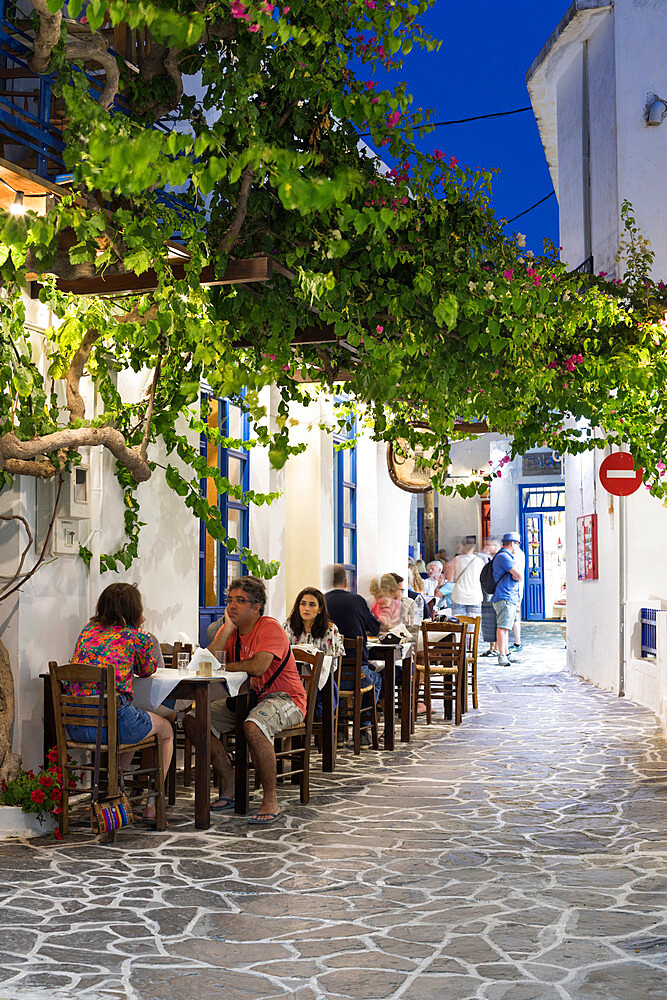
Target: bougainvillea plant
x=397 y=288
x=39 y=792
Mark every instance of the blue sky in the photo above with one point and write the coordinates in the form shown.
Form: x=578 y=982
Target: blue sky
x=487 y=47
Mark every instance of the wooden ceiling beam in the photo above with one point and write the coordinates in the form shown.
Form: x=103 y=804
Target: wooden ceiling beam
x=128 y=283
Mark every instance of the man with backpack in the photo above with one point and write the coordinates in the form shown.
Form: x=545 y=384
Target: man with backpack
x=501 y=577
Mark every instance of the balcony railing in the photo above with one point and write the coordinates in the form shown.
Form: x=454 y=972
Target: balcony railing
x=26 y=134
x=31 y=122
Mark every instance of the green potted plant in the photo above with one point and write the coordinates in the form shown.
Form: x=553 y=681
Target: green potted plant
x=32 y=801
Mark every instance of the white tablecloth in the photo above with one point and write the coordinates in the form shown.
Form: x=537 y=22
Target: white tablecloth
x=326 y=663
x=149 y=692
x=405 y=648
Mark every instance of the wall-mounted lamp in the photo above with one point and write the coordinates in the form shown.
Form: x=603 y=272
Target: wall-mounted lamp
x=17 y=207
x=655 y=110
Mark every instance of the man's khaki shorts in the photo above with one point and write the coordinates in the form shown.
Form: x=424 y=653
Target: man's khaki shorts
x=505 y=614
x=273 y=713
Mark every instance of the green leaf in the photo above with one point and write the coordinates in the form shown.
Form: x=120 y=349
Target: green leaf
x=446 y=311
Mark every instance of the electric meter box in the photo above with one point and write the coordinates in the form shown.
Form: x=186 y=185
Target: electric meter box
x=73 y=508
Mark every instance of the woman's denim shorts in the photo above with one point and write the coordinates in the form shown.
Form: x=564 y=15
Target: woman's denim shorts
x=133 y=725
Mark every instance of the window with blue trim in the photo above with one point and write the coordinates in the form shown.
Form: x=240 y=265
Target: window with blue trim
x=345 y=503
x=217 y=566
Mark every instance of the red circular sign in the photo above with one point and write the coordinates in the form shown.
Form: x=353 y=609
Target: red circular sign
x=619 y=476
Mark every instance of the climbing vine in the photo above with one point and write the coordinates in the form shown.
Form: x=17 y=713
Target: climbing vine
x=395 y=287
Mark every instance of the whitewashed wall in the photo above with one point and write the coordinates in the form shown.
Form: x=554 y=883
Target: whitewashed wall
x=626 y=50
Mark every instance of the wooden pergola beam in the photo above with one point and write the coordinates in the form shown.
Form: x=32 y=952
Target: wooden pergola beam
x=113 y=282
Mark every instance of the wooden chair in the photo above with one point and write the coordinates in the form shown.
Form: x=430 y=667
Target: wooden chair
x=350 y=694
x=317 y=726
x=472 y=638
x=78 y=710
x=294 y=743
x=181 y=742
x=443 y=667
x=167 y=650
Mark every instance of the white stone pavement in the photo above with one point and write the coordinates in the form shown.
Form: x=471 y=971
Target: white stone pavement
x=520 y=856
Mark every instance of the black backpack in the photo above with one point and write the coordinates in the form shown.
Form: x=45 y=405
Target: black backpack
x=486 y=578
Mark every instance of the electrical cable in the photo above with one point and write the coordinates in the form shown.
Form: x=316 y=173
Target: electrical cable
x=461 y=121
x=526 y=210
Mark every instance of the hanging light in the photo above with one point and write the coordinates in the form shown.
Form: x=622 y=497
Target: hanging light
x=17 y=207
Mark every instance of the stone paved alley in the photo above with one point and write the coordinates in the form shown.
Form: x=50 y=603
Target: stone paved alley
x=520 y=856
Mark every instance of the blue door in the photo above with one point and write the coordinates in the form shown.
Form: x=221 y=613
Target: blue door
x=540 y=508
x=533 y=599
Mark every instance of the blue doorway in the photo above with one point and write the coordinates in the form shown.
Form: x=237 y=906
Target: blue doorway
x=543 y=541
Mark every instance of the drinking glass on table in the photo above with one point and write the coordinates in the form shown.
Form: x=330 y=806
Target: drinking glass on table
x=182 y=663
x=221 y=657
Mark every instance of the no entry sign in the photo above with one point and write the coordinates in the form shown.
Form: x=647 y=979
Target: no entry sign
x=619 y=476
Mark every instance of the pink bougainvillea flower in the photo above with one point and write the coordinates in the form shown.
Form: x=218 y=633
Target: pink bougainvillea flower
x=371 y=84
x=253 y=27
x=453 y=162
x=509 y=273
x=381 y=52
x=374 y=100
x=239 y=10
x=393 y=119
x=370 y=4
x=379 y=329
x=438 y=154
x=602 y=274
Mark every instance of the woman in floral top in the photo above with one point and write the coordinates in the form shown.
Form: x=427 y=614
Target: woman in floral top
x=310 y=625
x=114 y=636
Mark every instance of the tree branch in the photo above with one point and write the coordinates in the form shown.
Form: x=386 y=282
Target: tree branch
x=10 y=763
x=134 y=316
x=241 y=210
x=151 y=402
x=75 y=403
x=47 y=37
x=17 y=517
x=94 y=50
x=14 y=583
x=15 y=455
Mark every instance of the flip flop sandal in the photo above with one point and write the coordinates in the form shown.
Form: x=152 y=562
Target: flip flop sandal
x=224 y=805
x=263 y=819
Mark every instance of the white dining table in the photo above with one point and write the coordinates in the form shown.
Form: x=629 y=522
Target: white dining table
x=150 y=692
x=327 y=662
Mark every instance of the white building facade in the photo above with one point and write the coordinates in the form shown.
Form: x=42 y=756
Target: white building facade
x=593 y=89
x=178 y=571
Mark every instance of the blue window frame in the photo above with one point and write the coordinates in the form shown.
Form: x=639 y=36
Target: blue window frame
x=345 y=503
x=217 y=566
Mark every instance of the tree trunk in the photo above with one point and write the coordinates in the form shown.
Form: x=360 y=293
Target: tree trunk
x=429 y=526
x=9 y=762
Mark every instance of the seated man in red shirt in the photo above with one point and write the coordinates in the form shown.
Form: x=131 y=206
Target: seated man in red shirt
x=259 y=646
